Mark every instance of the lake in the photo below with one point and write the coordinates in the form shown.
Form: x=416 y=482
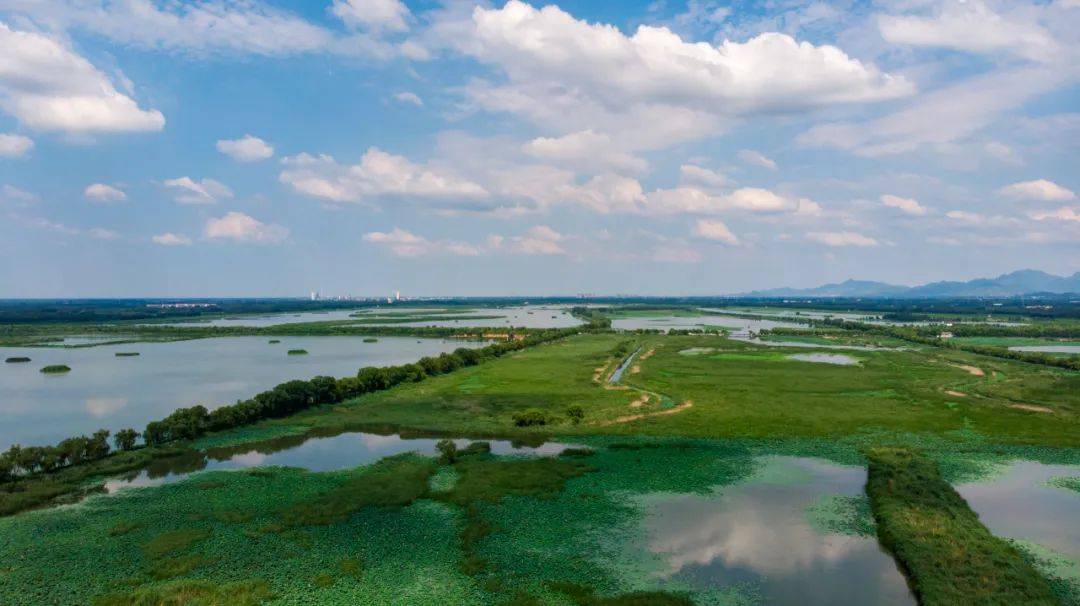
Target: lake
x=759 y=532
x=530 y=316
x=106 y=391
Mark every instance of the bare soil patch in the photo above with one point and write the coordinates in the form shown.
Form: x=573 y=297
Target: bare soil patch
x=1032 y=408
x=972 y=370
x=629 y=418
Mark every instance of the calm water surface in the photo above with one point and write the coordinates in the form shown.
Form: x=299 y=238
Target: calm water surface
x=735 y=323
x=531 y=316
x=269 y=319
x=343 y=451
x=103 y=390
x=824 y=358
x=1019 y=504
x=1068 y=349
x=757 y=532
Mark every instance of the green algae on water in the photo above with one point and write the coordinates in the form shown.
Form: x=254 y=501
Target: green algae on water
x=840 y=514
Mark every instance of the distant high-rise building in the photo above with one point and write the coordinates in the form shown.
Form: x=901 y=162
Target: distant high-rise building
x=397 y=295
x=314 y=295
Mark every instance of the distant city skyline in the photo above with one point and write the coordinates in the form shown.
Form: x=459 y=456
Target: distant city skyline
x=461 y=148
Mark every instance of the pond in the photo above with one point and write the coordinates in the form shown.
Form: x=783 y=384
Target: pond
x=736 y=324
x=823 y=358
x=106 y=391
x=1020 y=504
x=342 y=451
x=1064 y=349
x=759 y=532
x=809 y=345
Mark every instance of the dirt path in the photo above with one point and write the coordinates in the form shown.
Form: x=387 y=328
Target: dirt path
x=1032 y=408
x=644 y=415
x=956 y=394
x=972 y=370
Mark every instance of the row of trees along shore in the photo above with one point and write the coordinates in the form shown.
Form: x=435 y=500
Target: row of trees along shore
x=281 y=401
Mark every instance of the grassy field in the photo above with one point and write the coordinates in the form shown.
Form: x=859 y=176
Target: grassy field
x=690 y=415
x=734 y=390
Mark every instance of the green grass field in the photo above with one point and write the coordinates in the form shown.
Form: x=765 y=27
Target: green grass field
x=691 y=415
x=737 y=390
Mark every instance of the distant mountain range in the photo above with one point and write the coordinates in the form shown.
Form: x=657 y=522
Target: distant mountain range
x=1023 y=282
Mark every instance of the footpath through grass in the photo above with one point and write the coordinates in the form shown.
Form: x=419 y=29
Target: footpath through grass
x=950 y=557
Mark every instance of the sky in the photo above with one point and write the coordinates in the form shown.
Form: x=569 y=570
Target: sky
x=453 y=147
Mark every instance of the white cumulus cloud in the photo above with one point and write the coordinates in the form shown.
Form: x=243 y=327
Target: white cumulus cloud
x=907 y=205
x=239 y=227
x=101 y=192
x=756 y=158
x=206 y=191
x=711 y=229
x=14 y=146
x=841 y=238
x=651 y=88
x=376 y=15
x=171 y=239
x=245 y=149
x=409 y=98
x=1040 y=189
x=378 y=174
x=46 y=86
x=1065 y=213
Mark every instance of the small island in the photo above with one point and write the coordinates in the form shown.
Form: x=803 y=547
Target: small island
x=273 y=341
x=17 y=359
x=371 y=340
x=297 y=352
x=55 y=369
x=126 y=354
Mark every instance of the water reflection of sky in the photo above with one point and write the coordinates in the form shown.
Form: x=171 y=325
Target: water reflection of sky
x=343 y=451
x=1019 y=504
x=665 y=323
x=758 y=532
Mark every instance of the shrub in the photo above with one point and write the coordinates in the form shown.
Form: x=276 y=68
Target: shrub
x=575 y=413
x=530 y=418
x=447 y=450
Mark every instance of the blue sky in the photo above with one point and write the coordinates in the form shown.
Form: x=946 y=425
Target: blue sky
x=152 y=148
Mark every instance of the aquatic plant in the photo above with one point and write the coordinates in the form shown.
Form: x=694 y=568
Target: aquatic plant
x=17 y=359
x=56 y=369
x=297 y=352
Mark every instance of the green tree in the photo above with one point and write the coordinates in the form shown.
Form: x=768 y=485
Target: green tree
x=448 y=450
x=125 y=439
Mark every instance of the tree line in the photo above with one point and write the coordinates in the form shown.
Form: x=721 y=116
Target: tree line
x=921 y=336
x=283 y=400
